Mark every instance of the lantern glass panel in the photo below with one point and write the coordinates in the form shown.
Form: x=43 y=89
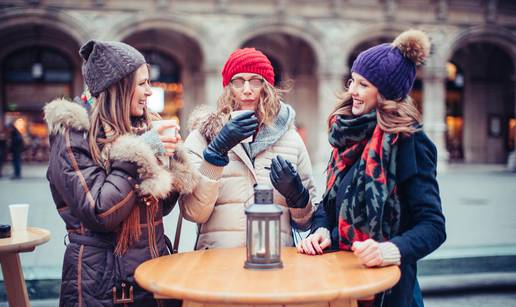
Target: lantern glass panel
x=259 y=239
x=274 y=238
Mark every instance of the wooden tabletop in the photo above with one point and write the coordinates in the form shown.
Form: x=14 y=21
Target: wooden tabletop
x=217 y=275
x=24 y=240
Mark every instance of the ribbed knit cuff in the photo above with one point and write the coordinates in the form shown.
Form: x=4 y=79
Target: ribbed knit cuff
x=211 y=171
x=325 y=233
x=151 y=138
x=390 y=253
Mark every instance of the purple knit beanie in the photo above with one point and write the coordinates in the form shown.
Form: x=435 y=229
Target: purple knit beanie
x=392 y=67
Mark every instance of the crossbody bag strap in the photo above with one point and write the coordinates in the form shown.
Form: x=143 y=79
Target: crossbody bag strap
x=179 y=225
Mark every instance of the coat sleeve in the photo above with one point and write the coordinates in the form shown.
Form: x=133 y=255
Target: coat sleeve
x=420 y=194
x=103 y=200
x=322 y=218
x=303 y=216
x=184 y=178
x=198 y=205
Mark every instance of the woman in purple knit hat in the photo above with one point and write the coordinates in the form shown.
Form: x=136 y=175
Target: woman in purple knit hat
x=382 y=198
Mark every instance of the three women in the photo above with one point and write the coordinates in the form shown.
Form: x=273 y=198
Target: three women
x=111 y=188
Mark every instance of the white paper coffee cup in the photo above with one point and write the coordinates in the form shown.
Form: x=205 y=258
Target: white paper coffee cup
x=236 y=113
x=169 y=131
x=19 y=216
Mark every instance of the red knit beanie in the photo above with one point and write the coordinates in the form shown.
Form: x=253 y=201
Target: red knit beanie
x=247 y=60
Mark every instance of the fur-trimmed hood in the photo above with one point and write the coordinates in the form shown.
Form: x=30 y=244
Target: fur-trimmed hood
x=207 y=120
x=61 y=114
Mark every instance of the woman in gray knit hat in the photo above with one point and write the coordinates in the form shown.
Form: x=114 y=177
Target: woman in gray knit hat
x=382 y=198
x=110 y=180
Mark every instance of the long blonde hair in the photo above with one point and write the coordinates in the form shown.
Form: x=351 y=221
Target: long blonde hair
x=392 y=116
x=112 y=108
x=267 y=108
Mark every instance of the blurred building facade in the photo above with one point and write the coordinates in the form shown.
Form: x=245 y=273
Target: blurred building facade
x=466 y=90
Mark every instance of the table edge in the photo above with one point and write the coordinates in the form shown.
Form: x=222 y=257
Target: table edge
x=30 y=245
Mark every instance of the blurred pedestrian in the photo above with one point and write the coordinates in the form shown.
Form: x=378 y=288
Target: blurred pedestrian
x=231 y=164
x=3 y=147
x=109 y=180
x=382 y=198
x=17 y=146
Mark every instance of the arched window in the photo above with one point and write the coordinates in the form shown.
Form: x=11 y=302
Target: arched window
x=31 y=77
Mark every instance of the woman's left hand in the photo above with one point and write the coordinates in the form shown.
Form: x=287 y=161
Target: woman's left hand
x=368 y=252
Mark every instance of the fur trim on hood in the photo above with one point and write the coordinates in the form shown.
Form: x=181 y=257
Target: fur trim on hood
x=207 y=121
x=61 y=114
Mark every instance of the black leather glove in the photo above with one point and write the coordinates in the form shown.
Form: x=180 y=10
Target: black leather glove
x=286 y=180
x=234 y=131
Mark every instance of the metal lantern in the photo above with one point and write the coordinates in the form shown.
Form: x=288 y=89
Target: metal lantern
x=263 y=231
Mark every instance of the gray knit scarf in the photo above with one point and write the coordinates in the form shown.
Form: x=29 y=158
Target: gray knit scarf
x=270 y=134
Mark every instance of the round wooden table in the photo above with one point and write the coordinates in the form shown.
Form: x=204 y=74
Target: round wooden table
x=19 y=242
x=217 y=277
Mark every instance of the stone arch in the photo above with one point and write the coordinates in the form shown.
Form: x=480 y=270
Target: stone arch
x=63 y=22
x=499 y=36
x=485 y=133
x=369 y=33
x=128 y=27
x=181 y=42
x=288 y=27
x=44 y=29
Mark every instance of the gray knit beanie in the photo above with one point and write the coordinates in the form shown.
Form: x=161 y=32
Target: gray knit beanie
x=106 y=63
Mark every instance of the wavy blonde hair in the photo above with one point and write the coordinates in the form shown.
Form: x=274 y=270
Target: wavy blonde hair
x=267 y=108
x=392 y=116
x=113 y=108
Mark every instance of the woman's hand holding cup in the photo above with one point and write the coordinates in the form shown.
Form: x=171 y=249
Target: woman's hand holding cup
x=168 y=131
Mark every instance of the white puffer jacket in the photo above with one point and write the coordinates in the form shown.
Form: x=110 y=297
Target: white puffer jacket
x=219 y=200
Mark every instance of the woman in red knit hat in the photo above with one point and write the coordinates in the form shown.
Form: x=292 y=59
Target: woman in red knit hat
x=235 y=152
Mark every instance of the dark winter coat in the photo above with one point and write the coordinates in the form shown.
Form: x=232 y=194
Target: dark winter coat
x=422 y=228
x=93 y=204
x=16 y=141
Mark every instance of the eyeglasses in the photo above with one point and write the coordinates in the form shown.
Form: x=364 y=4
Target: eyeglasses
x=254 y=83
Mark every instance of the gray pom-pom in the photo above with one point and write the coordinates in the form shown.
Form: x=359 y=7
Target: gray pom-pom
x=413 y=44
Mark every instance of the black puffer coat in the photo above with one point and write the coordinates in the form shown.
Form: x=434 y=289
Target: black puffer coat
x=93 y=204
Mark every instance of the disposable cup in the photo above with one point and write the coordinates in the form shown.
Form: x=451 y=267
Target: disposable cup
x=236 y=113
x=169 y=131
x=19 y=216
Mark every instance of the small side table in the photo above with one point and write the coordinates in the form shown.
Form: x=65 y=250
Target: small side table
x=20 y=242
